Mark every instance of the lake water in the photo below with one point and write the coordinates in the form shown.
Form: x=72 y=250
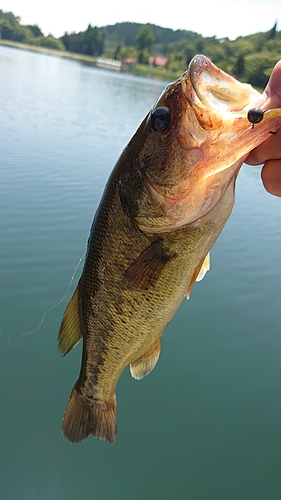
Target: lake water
x=206 y=423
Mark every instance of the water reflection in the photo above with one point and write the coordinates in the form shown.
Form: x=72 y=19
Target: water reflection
x=205 y=423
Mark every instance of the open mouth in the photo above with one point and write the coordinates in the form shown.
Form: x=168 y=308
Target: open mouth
x=213 y=88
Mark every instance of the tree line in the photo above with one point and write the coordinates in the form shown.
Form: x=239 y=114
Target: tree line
x=250 y=58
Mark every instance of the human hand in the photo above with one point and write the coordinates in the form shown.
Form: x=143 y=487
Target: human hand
x=269 y=152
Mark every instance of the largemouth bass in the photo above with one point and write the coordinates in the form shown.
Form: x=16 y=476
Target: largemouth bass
x=165 y=203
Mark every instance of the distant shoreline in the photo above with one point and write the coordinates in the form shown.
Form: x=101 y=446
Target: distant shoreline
x=45 y=50
x=139 y=70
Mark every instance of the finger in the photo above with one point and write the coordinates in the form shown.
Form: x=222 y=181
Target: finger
x=271 y=177
x=268 y=150
x=271 y=96
x=273 y=88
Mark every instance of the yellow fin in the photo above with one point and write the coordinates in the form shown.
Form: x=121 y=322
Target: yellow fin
x=145 y=270
x=69 y=333
x=143 y=365
x=199 y=273
x=205 y=268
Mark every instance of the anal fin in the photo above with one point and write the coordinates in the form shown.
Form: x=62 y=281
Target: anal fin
x=143 y=365
x=69 y=332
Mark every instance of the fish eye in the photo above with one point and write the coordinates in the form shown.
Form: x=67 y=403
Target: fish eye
x=160 y=118
x=255 y=115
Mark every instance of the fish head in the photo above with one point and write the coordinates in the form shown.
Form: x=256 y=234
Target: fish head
x=193 y=143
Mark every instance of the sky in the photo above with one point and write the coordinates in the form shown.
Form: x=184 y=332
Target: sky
x=220 y=18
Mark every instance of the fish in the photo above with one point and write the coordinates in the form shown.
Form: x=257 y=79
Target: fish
x=164 y=205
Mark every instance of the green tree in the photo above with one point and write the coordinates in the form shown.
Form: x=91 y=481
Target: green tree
x=258 y=68
x=117 y=52
x=272 y=32
x=189 y=53
x=11 y=29
x=239 y=66
x=35 y=30
x=89 y=42
x=49 y=42
x=128 y=52
x=200 y=46
x=93 y=41
x=144 y=41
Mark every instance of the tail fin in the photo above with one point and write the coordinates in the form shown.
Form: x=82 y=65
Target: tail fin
x=83 y=417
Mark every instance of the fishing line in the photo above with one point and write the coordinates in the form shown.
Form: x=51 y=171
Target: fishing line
x=26 y=334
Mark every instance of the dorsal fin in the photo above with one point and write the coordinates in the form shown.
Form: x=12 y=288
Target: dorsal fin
x=69 y=333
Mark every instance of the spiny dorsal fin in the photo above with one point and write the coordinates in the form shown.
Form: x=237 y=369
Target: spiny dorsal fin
x=69 y=333
x=199 y=273
x=143 y=365
x=145 y=270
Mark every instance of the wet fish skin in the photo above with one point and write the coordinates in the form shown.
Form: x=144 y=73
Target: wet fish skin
x=164 y=205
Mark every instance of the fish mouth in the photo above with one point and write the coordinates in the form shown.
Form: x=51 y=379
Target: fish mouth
x=213 y=89
x=214 y=135
x=221 y=104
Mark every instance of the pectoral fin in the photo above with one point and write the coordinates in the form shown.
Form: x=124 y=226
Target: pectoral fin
x=69 y=333
x=143 y=365
x=145 y=270
x=199 y=273
x=204 y=268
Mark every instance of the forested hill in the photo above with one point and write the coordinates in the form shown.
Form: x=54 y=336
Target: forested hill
x=126 y=34
x=249 y=58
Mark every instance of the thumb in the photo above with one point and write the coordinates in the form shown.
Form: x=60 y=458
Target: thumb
x=273 y=89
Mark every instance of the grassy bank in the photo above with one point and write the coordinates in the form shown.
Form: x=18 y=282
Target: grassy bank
x=152 y=72
x=53 y=52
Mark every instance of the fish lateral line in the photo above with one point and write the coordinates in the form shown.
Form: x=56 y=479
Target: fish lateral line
x=30 y=332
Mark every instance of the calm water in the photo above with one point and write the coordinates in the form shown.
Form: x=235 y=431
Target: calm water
x=206 y=423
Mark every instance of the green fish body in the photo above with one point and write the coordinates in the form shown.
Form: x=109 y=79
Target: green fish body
x=164 y=205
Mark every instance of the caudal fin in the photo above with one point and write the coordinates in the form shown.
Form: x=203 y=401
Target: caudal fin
x=83 y=417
